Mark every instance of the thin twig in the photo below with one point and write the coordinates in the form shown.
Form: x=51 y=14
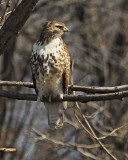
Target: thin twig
x=113 y=131
x=7 y=149
x=16 y=84
x=94 y=135
x=3 y=18
x=65 y=144
x=74 y=146
x=85 y=129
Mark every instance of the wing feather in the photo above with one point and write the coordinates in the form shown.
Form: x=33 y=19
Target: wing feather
x=34 y=83
x=67 y=69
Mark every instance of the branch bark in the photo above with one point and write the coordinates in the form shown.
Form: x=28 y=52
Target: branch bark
x=87 y=89
x=16 y=84
x=7 y=149
x=16 y=20
x=3 y=18
x=94 y=89
x=79 y=98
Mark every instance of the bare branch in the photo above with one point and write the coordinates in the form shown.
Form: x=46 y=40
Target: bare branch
x=16 y=84
x=93 y=133
x=87 y=89
x=3 y=18
x=7 y=149
x=79 y=98
x=94 y=89
x=113 y=131
x=19 y=16
x=66 y=144
x=75 y=146
x=114 y=93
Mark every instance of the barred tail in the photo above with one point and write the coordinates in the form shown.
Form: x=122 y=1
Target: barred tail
x=55 y=114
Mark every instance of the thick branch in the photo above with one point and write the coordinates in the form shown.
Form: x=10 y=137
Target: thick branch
x=87 y=89
x=79 y=98
x=16 y=20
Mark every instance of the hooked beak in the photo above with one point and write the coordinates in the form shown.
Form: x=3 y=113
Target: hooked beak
x=65 y=29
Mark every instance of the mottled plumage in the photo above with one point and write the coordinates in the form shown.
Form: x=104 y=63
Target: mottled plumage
x=50 y=64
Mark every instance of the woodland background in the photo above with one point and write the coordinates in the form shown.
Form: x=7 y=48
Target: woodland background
x=98 y=46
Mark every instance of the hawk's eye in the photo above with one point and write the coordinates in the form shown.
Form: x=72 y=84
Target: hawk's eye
x=60 y=27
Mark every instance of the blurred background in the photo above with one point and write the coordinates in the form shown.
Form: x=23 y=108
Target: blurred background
x=98 y=45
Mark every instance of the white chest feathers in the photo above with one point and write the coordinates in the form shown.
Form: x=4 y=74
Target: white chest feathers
x=51 y=64
x=45 y=49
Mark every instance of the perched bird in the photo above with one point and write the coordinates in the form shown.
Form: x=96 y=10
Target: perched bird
x=50 y=65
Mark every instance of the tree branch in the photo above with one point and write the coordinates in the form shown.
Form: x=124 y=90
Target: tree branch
x=94 y=89
x=16 y=20
x=79 y=98
x=87 y=89
x=93 y=134
x=16 y=84
x=70 y=145
x=7 y=149
x=3 y=18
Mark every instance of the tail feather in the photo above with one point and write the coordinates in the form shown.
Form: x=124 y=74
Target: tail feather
x=55 y=114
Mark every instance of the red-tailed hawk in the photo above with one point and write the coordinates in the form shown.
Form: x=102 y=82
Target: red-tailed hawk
x=50 y=64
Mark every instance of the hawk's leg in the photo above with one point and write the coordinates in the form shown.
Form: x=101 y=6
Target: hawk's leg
x=60 y=96
x=49 y=96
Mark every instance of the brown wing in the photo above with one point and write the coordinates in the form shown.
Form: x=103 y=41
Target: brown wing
x=34 y=69
x=34 y=83
x=67 y=69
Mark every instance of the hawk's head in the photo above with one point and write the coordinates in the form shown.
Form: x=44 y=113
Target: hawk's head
x=55 y=28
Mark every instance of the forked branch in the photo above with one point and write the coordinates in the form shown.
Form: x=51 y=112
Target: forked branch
x=72 y=98
x=117 y=92
x=87 y=89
